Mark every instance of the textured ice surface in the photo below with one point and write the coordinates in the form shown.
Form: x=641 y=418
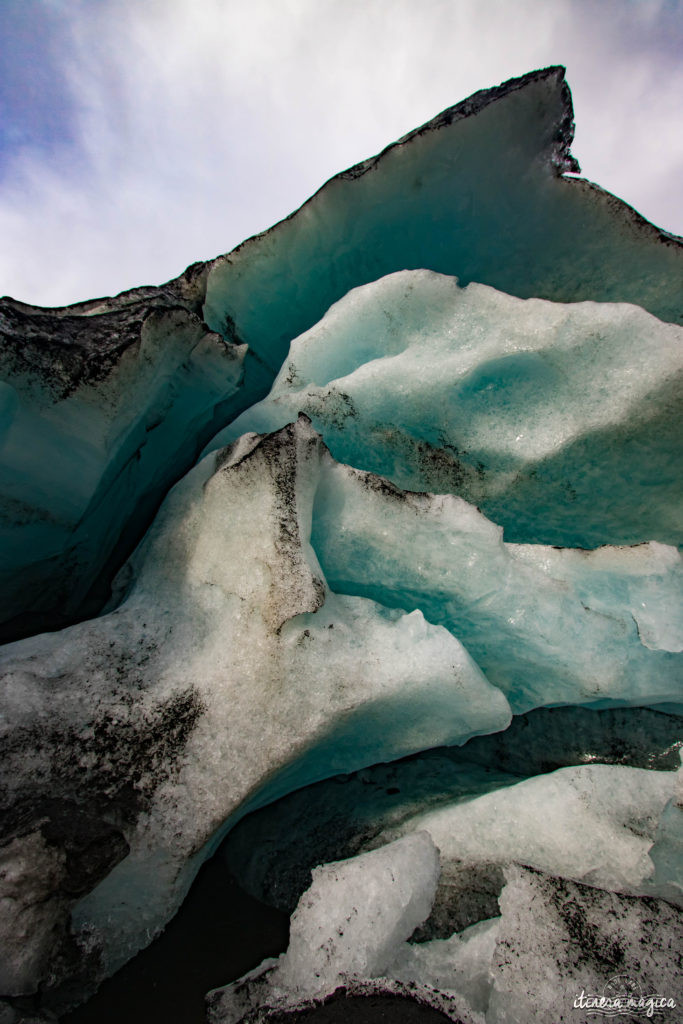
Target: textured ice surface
x=558 y=940
x=594 y=823
x=273 y=850
x=100 y=412
x=461 y=963
x=86 y=465
x=606 y=825
x=230 y=672
x=546 y=416
x=349 y=923
x=356 y=912
x=553 y=942
x=545 y=628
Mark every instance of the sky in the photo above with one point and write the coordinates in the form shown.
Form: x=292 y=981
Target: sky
x=138 y=136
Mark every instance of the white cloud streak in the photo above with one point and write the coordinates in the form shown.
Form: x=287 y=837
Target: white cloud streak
x=200 y=122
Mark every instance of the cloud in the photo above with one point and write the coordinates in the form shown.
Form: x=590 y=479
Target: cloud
x=167 y=131
x=35 y=103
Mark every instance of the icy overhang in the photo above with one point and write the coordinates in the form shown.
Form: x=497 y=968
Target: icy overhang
x=478 y=192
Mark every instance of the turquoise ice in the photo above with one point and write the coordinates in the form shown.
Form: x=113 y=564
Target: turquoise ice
x=437 y=518
x=562 y=422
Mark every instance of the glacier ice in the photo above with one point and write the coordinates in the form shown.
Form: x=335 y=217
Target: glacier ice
x=229 y=647
x=272 y=850
x=545 y=415
x=220 y=658
x=377 y=902
x=100 y=411
x=479 y=192
x=576 y=635
x=348 y=924
x=86 y=468
x=609 y=826
x=553 y=941
x=560 y=939
x=461 y=963
x=462 y=627
x=593 y=823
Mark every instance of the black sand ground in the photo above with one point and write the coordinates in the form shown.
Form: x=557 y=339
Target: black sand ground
x=343 y=1009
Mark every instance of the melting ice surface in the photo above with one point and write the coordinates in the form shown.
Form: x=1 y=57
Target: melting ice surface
x=440 y=509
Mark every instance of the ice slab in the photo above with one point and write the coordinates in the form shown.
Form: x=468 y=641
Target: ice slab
x=356 y=912
x=547 y=627
x=228 y=674
x=349 y=923
x=594 y=823
x=555 y=945
x=552 y=418
x=273 y=850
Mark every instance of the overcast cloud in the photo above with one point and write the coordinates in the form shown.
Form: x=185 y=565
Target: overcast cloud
x=141 y=135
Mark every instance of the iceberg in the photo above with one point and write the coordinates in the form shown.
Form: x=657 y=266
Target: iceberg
x=355 y=555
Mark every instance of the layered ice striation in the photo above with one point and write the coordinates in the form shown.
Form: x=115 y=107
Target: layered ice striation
x=102 y=407
x=422 y=591
x=546 y=626
x=273 y=850
x=231 y=673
